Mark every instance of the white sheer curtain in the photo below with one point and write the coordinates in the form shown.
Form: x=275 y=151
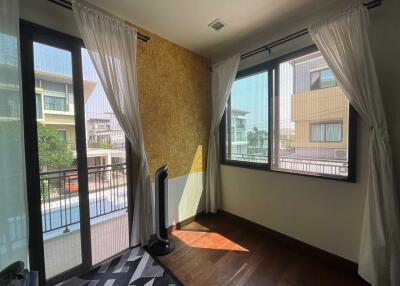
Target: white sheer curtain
x=13 y=222
x=112 y=45
x=344 y=43
x=223 y=76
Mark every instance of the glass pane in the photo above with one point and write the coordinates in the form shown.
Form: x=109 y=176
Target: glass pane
x=106 y=159
x=247 y=132
x=327 y=78
x=333 y=132
x=13 y=224
x=57 y=160
x=317 y=132
x=311 y=119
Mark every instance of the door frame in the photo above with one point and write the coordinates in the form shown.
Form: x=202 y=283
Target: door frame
x=30 y=33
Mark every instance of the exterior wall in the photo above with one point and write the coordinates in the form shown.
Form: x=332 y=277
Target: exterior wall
x=55 y=118
x=323 y=105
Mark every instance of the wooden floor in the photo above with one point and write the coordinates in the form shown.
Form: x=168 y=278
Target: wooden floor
x=219 y=250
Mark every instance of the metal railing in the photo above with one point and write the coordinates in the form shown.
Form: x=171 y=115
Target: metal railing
x=250 y=158
x=303 y=165
x=314 y=166
x=60 y=200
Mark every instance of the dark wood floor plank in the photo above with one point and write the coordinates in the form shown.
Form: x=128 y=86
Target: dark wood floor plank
x=218 y=250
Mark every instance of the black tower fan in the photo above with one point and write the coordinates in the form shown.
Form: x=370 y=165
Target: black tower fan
x=162 y=245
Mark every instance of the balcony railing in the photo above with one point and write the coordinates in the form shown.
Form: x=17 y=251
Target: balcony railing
x=60 y=200
x=302 y=165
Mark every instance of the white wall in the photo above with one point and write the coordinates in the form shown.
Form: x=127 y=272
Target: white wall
x=185 y=197
x=324 y=213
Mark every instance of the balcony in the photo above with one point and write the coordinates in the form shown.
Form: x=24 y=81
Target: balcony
x=319 y=105
x=299 y=165
x=108 y=206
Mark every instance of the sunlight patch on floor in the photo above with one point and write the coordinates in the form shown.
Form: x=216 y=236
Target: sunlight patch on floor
x=207 y=240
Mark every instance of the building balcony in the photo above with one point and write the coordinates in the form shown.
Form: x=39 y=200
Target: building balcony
x=320 y=104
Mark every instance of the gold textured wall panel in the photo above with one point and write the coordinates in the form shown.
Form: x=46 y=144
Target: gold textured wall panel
x=174 y=95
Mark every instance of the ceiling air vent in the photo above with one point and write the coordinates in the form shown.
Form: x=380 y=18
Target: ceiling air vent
x=217 y=24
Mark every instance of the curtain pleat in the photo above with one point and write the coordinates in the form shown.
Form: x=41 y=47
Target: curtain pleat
x=223 y=76
x=343 y=40
x=112 y=46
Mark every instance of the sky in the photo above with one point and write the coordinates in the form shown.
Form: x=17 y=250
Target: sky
x=251 y=94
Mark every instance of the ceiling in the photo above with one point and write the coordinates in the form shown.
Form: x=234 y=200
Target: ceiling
x=185 y=22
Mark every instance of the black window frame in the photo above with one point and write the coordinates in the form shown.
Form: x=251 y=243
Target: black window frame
x=29 y=34
x=272 y=67
x=260 y=68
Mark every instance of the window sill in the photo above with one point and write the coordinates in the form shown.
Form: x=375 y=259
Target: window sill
x=266 y=167
x=247 y=165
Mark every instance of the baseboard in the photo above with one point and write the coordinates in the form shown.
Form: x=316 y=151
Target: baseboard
x=323 y=255
x=181 y=224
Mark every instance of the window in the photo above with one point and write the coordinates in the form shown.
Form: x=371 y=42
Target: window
x=39 y=111
x=101 y=126
x=322 y=79
x=247 y=114
x=63 y=135
x=300 y=123
x=54 y=103
x=326 y=132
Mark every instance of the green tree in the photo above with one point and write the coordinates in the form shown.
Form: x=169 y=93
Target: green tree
x=53 y=151
x=257 y=137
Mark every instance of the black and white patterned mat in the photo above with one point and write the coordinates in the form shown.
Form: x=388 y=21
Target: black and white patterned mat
x=133 y=267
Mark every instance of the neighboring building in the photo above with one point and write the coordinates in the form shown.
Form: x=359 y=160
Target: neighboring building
x=319 y=111
x=103 y=143
x=238 y=132
x=55 y=106
x=99 y=131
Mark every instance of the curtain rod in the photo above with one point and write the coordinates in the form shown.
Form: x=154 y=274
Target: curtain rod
x=267 y=47
x=68 y=5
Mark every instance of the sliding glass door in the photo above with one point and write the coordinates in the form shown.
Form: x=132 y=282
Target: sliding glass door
x=59 y=178
x=77 y=184
x=107 y=169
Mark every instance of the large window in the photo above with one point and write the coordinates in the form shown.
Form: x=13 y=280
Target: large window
x=247 y=120
x=310 y=120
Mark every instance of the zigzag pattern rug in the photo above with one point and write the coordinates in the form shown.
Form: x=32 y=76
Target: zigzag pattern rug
x=133 y=267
